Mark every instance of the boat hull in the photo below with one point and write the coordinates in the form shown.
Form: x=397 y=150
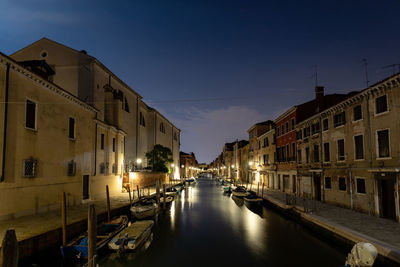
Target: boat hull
x=132 y=237
x=142 y=212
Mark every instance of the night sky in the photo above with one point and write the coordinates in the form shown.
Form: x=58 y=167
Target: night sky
x=216 y=67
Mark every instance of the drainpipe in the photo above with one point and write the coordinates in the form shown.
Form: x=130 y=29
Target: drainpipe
x=397 y=197
x=95 y=149
x=321 y=159
x=5 y=124
x=351 y=190
x=137 y=127
x=369 y=132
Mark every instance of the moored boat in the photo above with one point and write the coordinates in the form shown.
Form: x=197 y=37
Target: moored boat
x=144 y=208
x=78 y=247
x=253 y=199
x=132 y=237
x=240 y=191
x=227 y=189
x=168 y=198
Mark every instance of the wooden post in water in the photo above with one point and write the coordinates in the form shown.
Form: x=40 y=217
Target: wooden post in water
x=138 y=192
x=158 y=191
x=130 y=198
x=262 y=190
x=165 y=195
x=108 y=204
x=64 y=219
x=258 y=187
x=92 y=233
x=148 y=190
x=9 y=250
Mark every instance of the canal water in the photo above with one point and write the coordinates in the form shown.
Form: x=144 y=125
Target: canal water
x=205 y=227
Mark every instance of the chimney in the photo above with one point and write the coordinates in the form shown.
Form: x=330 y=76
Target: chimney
x=319 y=97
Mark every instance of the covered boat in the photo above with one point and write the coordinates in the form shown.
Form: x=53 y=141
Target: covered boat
x=240 y=191
x=144 y=208
x=132 y=237
x=78 y=247
x=253 y=199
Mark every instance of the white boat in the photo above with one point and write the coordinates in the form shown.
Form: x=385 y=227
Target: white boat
x=144 y=208
x=168 y=199
x=132 y=237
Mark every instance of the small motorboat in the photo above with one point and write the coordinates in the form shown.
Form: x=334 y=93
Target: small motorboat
x=253 y=199
x=168 y=199
x=132 y=236
x=146 y=207
x=238 y=200
x=78 y=247
x=240 y=191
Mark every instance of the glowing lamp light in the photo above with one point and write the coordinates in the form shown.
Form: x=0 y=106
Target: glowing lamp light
x=250 y=163
x=139 y=161
x=233 y=166
x=172 y=165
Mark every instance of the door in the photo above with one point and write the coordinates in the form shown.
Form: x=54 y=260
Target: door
x=85 y=184
x=317 y=187
x=294 y=183
x=387 y=198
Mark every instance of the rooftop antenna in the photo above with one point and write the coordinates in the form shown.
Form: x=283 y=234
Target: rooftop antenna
x=315 y=75
x=366 y=70
x=393 y=67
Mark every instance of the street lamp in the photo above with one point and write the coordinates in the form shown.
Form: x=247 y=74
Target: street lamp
x=172 y=165
x=182 y=166
x=232 y=166
x=250 y=163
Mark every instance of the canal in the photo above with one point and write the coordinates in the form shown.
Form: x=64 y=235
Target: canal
x=204 y=227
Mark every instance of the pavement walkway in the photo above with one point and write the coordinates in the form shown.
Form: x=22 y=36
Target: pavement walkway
x=33 y=225
x=352 y=225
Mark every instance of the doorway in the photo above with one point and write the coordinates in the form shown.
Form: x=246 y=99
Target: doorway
x=317 y=186
x=85 y=184
x=386 y=191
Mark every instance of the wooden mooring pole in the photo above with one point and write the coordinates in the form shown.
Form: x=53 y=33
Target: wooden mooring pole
x=262 y=190
x=130 y=197
x=158 y=191
x=64 y=219
x=258 y=187
x=108 y=204
x=92 y=233
x=138 y=192
x=9 y=250
x=165 y=195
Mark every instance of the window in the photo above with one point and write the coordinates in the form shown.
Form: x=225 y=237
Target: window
x=287 y=153
x=342 y=184
x=340 y=149
x=339 y=119
x=277 y=131
x=30 y=115
x=113 y=144
x=175 y=136
x=71 y=128
x=381 y=104
x=360 y=182
x=102 y=168
x=357 y=113
x=287 y=126
x=292 y=121
x=328 y=184
x=299 y=156
x=71 y=168
x=125 y=105
x=141 y=120
x=307 y=155
x=298 y=135
x=30 y=167
x=316 y=153
x=383 y=143
x=259 y=144
x=102 y=141
x=315 y=128
x=294 y=151
x=266 y=142
x=306 y=132
x=282 y=129
x=114 y=168
x=162 y=128
x=359 y=147
x=122 y=147
x=325 y=124
x=268 y=159
x=265 y=159
x=327 y=154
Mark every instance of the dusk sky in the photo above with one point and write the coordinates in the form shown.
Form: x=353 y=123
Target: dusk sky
x=214 y=68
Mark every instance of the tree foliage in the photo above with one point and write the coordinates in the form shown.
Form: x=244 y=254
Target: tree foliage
x=159 y=158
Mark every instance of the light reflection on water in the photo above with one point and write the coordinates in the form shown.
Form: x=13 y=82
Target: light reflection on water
x=205 y=227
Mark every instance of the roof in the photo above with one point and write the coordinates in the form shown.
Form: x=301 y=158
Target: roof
x=85 y=53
